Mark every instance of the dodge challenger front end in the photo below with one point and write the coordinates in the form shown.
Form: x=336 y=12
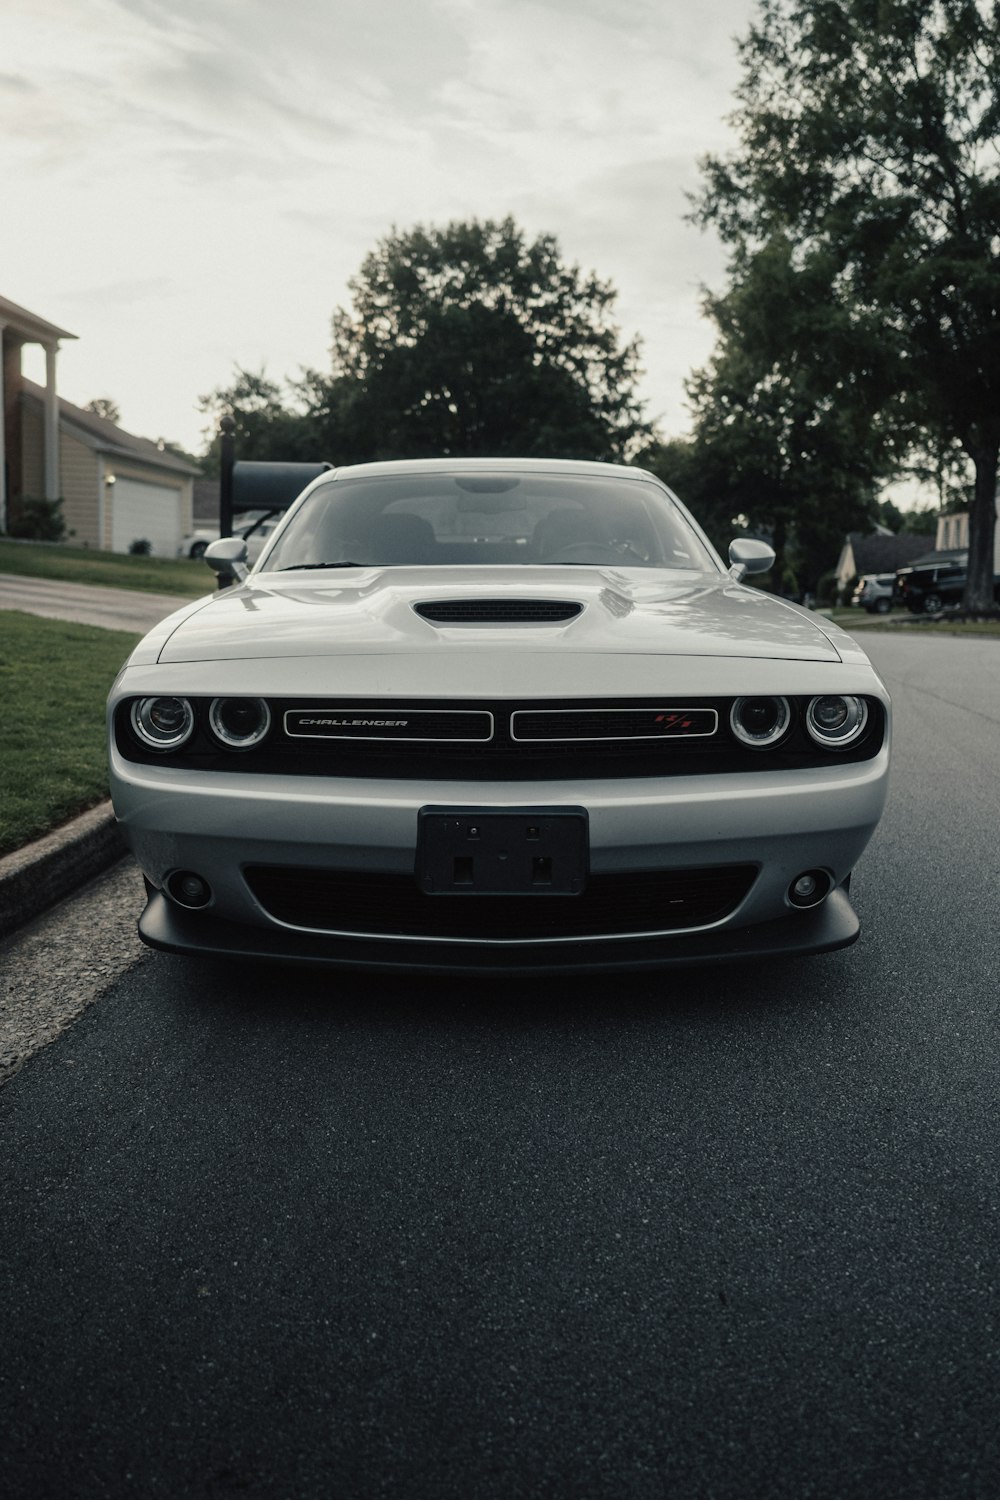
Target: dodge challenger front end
x=496 y=717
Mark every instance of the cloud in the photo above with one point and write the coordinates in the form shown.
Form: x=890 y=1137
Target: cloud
x=213 y=174
x=15 y=83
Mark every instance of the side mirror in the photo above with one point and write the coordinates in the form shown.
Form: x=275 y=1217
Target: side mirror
x=228 y=558
x=745 y=556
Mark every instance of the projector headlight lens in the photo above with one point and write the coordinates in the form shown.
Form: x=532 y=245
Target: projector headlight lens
x=239 y=723
x=760 y=722
x=836 y=721
x=163 y=723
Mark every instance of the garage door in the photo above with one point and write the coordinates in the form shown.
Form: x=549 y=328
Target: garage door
x=146 y=512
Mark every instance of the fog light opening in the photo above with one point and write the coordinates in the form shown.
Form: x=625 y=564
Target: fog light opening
x=809 y=888
x=189 y=889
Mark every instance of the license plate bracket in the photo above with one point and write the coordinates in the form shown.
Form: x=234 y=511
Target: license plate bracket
x=529 y=851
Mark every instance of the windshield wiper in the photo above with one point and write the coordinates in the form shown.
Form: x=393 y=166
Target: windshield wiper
x=303 y=567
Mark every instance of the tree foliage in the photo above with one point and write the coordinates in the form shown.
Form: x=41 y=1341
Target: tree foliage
x=103 y=406
x=868 y=161
x=272 y=423
x=783 y=445
x=469 y=340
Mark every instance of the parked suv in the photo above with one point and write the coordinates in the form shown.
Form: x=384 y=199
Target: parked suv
x=928 y=588
x=873 y=592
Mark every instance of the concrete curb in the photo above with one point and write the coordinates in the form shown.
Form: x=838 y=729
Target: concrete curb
x=37 y=877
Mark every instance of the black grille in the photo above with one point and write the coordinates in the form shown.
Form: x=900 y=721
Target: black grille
x=558 y=725
x=394 y=906
x=497 y=611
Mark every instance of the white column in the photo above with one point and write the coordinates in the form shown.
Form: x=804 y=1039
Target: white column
x=3 y=441
x=51 y=425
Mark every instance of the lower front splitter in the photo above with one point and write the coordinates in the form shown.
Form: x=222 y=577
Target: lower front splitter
x=824 y=929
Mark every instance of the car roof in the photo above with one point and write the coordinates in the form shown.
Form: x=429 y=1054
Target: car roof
x=399 y=466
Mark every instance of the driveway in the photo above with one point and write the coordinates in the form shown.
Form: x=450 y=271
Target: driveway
x=111 y=609
x=708 y=1235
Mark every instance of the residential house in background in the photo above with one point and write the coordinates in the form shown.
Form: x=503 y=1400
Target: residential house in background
x=880 y=551
x=953 y=536
x=116 y=489
x=17 y=328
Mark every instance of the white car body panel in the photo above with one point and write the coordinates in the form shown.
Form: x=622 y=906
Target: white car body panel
x=369 y=610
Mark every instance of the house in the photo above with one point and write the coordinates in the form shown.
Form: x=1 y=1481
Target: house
x=880 y=551
x=17 y=328
x=953 y=535
x=116 y=489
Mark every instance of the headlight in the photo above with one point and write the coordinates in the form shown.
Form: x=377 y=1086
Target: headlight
x=163 y=723
x=239 y=723
x=760 y=721
x=835 y=721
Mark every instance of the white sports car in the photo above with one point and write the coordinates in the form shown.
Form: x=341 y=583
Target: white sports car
x=496 y=716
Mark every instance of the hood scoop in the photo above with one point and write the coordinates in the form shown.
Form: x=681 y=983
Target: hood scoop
x=498 y=611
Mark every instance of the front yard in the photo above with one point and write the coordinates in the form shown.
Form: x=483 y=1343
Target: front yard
x=153 y=575
x=54 y=678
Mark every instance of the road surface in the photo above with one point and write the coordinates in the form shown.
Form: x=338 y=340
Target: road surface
x=725 y=1233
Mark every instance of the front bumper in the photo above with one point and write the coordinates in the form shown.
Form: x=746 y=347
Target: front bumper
x=220 y=824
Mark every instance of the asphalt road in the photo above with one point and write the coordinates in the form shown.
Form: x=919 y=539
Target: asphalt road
x=717 y=1234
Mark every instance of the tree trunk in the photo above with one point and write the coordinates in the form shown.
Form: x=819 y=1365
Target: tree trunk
x=982 y=528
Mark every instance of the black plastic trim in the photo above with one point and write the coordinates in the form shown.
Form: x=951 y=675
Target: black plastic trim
x=823 y=930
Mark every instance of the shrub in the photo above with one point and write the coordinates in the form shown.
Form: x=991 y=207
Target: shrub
x=35 y=520
x=140 y=547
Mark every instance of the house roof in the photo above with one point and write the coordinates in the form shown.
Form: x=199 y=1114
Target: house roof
x=28 y=325
x=106 y=437
x=946 y=554
x=877 y=553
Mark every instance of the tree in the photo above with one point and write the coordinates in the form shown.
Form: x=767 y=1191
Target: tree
x=103 y=406
x=868 y=146
x=776 y=446
x=906 y=522
x=469 y=340
x=269 y=425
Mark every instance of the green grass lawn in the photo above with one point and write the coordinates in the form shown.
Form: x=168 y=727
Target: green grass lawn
x=152 y=575
x=54 y=678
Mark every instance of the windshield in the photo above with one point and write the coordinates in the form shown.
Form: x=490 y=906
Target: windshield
x=480 y=518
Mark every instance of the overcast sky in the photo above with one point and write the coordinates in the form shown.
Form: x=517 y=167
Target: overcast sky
x=189 y=184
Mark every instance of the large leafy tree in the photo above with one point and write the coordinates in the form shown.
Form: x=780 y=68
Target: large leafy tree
x=868 y=147
x=781 y=438
x=471 y=340
x=272 y=423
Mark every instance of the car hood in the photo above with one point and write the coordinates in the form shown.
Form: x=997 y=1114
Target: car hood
x=374 y=610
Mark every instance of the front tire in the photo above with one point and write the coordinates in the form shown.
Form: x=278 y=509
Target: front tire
x=933 y=604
